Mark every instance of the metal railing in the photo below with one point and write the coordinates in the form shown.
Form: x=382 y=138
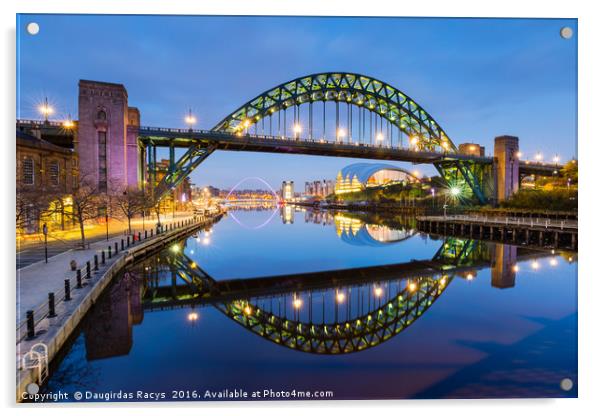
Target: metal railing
x=521 y=221
x=98 y=263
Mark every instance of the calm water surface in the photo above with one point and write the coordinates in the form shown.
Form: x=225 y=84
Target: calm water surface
x=449 y=319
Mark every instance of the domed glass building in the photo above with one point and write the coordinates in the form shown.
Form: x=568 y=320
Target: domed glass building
x=359 y=176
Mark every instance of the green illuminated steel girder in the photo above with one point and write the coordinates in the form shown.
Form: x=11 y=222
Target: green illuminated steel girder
x=469 y=177
x=182 y=168
x=355 y=89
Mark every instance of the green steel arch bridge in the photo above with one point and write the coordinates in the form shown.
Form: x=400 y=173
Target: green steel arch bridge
x=371 y=120
x=292 y=310
x=336 y=114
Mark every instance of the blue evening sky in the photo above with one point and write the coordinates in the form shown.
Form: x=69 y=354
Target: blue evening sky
x=478 y=78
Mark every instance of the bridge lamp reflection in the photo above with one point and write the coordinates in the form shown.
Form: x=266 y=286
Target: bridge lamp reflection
x=535 y=265
x=297 y=303
x=553 y=262
x=340 y=296
x=206 y=241
x=538 y=157
x=380 y=137
x=518 y=155
x=193 y=317
x=469 y=276
x=297 y=128
x=378 y=291
x=556 y=159
x=341 y=133
x=515 y=269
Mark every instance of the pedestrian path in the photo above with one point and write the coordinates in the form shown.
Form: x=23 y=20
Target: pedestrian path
x=35 y=281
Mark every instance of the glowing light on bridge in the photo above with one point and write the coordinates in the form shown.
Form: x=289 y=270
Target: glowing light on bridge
x=340 y=297
x=341 y=133
x=297 y=129
x=553 y=262
x=68 y=124
x=380 y=137
x=193 y=317
x=412 y=286
x=454 y=190
x=535 y=265
x=518 y=155
x=175 y=248
x=190 y=119
x=469 y=276
x=206 y=241
x=297 y=303
x=516 y=269
x=247 y=310
x=45 y=109
x=538 y=157
x=378 y=291
x=414 y=140
x=556 y=159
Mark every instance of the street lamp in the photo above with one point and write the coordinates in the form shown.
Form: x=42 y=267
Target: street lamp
x=538 y=157
x=297 y=130
x=340 y=134
x=190 y=119
x=46 y=109
x=45 y=231
x=556 y=159
x=68 y=124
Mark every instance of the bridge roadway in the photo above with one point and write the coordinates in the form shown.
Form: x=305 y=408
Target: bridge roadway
x=179 y=296
x=182 y=138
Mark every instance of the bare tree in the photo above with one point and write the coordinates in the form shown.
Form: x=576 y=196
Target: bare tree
x=130 y=202
x=31 y=202
x=85 y=203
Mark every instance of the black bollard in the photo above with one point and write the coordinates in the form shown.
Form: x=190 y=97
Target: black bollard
x=117 y=247
x=102 y=257
x=151 y=232
x=31 y=331
x=145 y=234
x=67 y=289
x=109 y=251
x=96 y=262
x=128 y=241
x=122 y=245
x=139 y=235
x=51 y=308
x=88 y=273
x=78 y=277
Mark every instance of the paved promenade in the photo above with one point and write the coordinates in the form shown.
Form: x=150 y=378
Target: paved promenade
x=35 y=281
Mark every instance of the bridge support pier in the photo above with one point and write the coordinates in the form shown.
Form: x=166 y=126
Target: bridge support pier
x=506 y=166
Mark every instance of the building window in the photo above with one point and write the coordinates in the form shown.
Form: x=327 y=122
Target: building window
x=28 y=171
x=54 y=171
x=102 y=161
x=101 y=115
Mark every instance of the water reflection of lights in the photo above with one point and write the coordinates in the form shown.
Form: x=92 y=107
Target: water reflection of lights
x=553 y=262
x=297 y=303
x=193 y=317
x=535 y=265
x=206 y=241
x=248 y=310
x=516 y=268
x=378 y=291
x=340 y=297
x=469 y=276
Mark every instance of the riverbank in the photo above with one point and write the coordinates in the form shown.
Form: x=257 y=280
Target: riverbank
x=49 y=326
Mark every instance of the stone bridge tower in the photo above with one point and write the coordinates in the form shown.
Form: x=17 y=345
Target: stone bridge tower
x=505 y=153
x=107 y=137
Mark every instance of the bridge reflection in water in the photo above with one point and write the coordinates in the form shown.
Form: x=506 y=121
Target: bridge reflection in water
x=330 y=312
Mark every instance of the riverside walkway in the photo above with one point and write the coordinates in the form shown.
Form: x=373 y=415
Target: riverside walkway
x=52 y=299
